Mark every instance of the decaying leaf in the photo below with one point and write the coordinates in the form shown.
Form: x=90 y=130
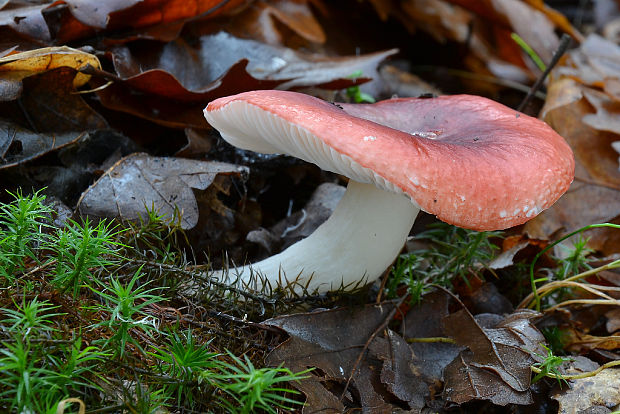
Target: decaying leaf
x=69 y=20
x=496 y=365
x=18 y=66
x=171 y=84
x=50 y=104
x=332 y=341
x=139 y=182
x=580 y=109
x=486 y=27
x=261 y=21
x=18 y=145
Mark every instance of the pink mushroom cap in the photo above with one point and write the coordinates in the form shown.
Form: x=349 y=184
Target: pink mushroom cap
x=468 y=160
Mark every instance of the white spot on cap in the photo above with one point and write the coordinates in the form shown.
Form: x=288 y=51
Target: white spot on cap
x=516 y=211
x=414 y=180
x=525 y=209
x=462 y=197
x=503 y=213
x=369 y=138
x=535 y=210
x=421 y=134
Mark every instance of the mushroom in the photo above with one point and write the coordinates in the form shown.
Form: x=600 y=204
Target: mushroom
x=468 y=160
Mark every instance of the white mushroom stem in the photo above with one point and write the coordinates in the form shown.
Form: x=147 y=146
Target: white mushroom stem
x=357 y=243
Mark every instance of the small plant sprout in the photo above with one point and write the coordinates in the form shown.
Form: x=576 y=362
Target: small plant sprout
x=529 y=51
x=80 y=249
x=183 y=359
x=578 y=261
x=549 y=365
x=125 y=305
x=453 y=251
x=31 y=315
x=574 y=259
x=354 y=92
x=21 y=232
x=254 y=388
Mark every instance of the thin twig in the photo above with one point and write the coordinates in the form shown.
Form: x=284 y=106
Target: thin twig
x=564 y=42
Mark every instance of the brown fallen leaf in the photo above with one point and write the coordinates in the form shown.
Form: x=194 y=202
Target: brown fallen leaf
x=18 y=145
x=496 y=365
x=584 y=115
x=49 y=103
x=172 y=83
x=18 y=66
x=139 y=182
x=331 y=341
x=485 y=27
x=262 y=20
x=68 y=20
x=196 y=69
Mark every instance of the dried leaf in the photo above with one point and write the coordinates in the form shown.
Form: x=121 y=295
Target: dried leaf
x=530 y=24
x=262 y=21
x=20 y=65
x=140 y=181
x=68 y=20
x=197 y=69
x=332 y=341
x=496 y=365
x=18 y=145
x=585 y=117
x=172 y=84
x=50 y=104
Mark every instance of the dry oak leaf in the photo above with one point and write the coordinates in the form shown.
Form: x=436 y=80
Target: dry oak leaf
x=139 y=182
x=17 y=66
x=65 y=21
x=496 y=365
x=331 y=341
x=586 y=117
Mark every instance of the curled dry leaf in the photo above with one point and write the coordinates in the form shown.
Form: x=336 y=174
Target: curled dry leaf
x=581 y=109
x=262 y=21
x=18 y=145
x=332 y=340
x=172 y=83
x=69 y=20
x=496 y=365
x=486 y=27
x=18 y=66
x=139 y=182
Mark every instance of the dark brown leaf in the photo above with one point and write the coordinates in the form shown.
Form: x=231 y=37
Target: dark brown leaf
x=586 y=117
x=18 y=145
x=496 y=365
x=262 y=21
x=172 y=84
x=332 y=341
x=139 y=182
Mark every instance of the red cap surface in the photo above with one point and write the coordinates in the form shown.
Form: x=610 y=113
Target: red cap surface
x=468 y=160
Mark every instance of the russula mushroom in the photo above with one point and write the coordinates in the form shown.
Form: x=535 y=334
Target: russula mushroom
x=466 y=159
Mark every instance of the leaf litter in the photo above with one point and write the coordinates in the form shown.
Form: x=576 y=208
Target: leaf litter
x=154 y=65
